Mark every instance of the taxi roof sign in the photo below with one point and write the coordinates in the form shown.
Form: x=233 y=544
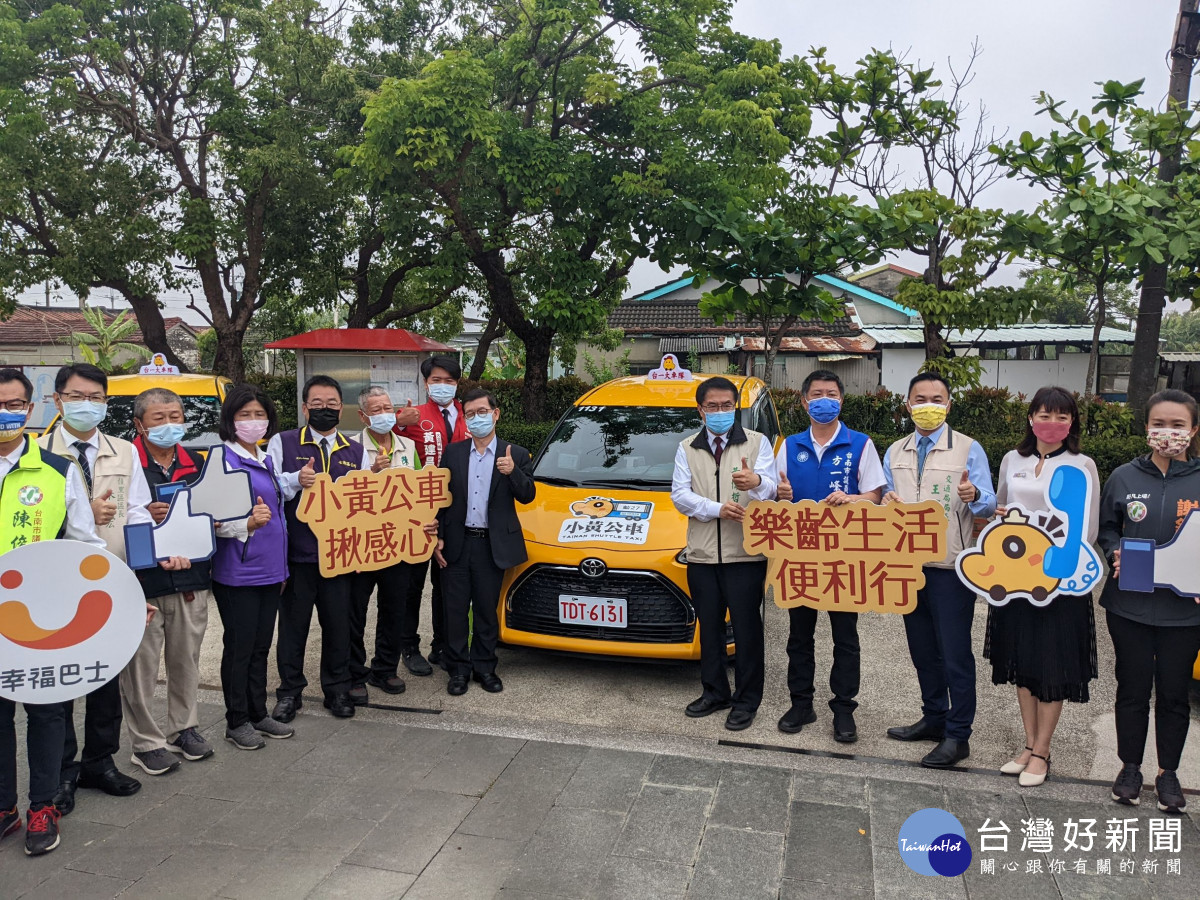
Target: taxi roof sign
x=669 y=370
x=158 y=365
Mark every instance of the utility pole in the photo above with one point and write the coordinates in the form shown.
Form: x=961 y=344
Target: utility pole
x=1143 y=374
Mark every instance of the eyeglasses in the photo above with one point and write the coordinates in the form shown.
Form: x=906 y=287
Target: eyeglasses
x=717 y=408
x=16 y=405
x=335 y=405
x=75 y=397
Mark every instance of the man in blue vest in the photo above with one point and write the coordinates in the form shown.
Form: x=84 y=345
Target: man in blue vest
x=833 y=464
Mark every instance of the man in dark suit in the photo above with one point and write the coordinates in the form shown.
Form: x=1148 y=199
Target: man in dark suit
x=480 y=537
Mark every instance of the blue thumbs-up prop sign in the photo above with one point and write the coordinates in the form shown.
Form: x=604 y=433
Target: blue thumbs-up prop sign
x=219 y=495
x=1146 y=566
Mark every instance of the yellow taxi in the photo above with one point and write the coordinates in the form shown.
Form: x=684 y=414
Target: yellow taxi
x=606 y=572
x=202 y=396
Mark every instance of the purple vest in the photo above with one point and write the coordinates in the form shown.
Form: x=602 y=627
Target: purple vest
x=299 y=446
x=262 y=559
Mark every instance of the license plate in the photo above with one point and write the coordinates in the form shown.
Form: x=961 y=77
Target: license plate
x=605 y=611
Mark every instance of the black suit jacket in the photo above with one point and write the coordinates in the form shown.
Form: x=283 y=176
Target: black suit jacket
x=504 y=529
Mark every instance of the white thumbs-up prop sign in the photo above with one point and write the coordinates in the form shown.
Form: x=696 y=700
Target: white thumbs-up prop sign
x=221 y=493
x=181 y=533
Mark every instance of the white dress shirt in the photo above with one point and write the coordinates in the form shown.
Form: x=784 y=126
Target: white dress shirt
x=703 y=509
x=289 y=482
x=238 y=529
x=139 y=498
x=80 y=524
x=479 y=482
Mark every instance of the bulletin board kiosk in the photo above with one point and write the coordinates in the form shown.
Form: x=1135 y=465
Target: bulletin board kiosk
x=361 y=357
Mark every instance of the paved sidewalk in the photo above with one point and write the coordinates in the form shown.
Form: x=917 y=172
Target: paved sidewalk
x=392 y=804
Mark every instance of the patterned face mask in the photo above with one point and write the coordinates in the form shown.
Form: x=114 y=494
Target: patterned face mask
x=1169 y=442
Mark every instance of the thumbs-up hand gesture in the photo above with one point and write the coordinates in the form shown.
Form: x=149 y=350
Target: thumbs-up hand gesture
x=505 y=464
x=784 y=490
x=966 y=490
x=409 y=415
x=308 y=475
x=382 y=461
x=746 y=478
x=103 y=508
x=259 y=516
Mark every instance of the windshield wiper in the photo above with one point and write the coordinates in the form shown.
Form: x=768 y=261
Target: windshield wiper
x=554 y=479
x=621 y=482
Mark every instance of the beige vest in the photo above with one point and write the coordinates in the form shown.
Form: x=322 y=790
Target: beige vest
x=939 y=480
x=111 y=471
x=404 y=451
x=718 y=541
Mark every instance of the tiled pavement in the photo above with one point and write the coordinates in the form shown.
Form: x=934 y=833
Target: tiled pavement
x=392 y=805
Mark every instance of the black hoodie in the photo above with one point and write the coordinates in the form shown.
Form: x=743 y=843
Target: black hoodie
x=1139 y=501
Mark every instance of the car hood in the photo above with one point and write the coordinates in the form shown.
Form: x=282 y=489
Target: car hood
x=603 y=519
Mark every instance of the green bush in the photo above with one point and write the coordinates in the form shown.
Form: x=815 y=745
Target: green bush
x=529 y=435
x=561 y=394
x=282 y=390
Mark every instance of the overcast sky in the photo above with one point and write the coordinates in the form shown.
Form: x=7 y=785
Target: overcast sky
x=1060 y=46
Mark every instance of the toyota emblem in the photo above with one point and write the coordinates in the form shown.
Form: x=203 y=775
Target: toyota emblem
x=593 y=568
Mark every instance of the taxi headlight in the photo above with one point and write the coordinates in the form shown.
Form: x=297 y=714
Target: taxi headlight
x=681 y=557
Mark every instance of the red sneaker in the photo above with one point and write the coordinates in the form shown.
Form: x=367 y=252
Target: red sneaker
x=41 y=830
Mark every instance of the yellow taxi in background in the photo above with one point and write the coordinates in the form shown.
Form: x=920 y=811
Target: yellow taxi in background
x=202 y=396
x=606 y=572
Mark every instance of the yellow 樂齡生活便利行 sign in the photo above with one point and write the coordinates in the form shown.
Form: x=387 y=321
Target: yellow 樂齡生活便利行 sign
x=854 y=558
x=371 y=520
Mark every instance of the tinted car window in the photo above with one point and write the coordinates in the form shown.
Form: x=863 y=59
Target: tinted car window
x=199 y=413
x=615 y=445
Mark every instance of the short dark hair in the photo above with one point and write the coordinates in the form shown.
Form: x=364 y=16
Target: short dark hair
x=7 y=376
x=237 y=397
x=83 y=370
x=479 y=393
x=448 y=363
x=717 y=383
x=821 y=375
x=320 y=381
x=1052 y=400
x=1171 y=395
x=928 y=376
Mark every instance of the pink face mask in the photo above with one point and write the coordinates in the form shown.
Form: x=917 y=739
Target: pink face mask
x=1050 y=432
x=1170 y=442
x=250 y=430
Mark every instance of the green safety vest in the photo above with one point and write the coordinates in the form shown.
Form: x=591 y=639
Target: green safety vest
x=33 y=499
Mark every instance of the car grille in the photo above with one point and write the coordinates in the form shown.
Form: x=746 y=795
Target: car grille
x=658 y=612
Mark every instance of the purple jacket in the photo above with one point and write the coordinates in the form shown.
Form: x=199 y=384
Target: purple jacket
x=299 y=446
x=262 y=558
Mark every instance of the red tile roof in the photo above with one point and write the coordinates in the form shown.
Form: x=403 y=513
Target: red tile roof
x=41 y=325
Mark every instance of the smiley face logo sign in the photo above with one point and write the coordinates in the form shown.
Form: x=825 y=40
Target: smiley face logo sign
x=71 y=616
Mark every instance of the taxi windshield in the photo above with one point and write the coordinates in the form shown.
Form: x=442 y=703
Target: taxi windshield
x=199 y=413
x=613 y=446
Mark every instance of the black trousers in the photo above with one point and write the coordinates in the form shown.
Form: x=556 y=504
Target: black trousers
x=44 y=746
x=410 y=639
x=801 y=650
x=939 y=642
x=305 y=590
x=472 y=583
x=102 y=719
x=1159 y=657
x=248 y=620
x=390 y=607
x=738 y=588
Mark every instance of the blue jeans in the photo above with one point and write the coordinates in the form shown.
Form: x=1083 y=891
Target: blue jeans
x=939 y=642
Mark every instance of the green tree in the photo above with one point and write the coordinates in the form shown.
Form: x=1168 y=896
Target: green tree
x=1181 y=331
x=110 y=340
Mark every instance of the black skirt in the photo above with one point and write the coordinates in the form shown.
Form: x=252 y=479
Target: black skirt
x=1048 y=650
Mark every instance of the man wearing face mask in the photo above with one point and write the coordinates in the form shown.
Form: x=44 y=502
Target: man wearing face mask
x=717 y=473
x=481 y=537
x=938 y=463
x=120 y=496
x=835 y=465
x=298 y=456
x=432 y=426
x=384 y=450
x=181 y=597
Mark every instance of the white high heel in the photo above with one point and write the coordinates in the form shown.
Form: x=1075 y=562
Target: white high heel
x=1028 y=779
x=1012 y=767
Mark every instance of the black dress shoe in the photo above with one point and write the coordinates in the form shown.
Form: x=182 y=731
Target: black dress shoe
x=844 y=729
x=739 y=719
x=64 y=798
x=111 y=781
x=340 y=705
x=705 y=706
x=358 y=695
x=457 y=685
x=393 y=685
x=286 y=708
x=437 y=657
x=921 y=730
x=946 y=754
x=796 y=718
x=416 y=663
x=491 y=682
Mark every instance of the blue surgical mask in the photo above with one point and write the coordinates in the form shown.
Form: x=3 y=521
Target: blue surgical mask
x=12 y=424
x=719 y=422
x=480 y=425
x=84 y=415
x=167 y=435
x=442 y=394
x=381 y=423
x=824 y=410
